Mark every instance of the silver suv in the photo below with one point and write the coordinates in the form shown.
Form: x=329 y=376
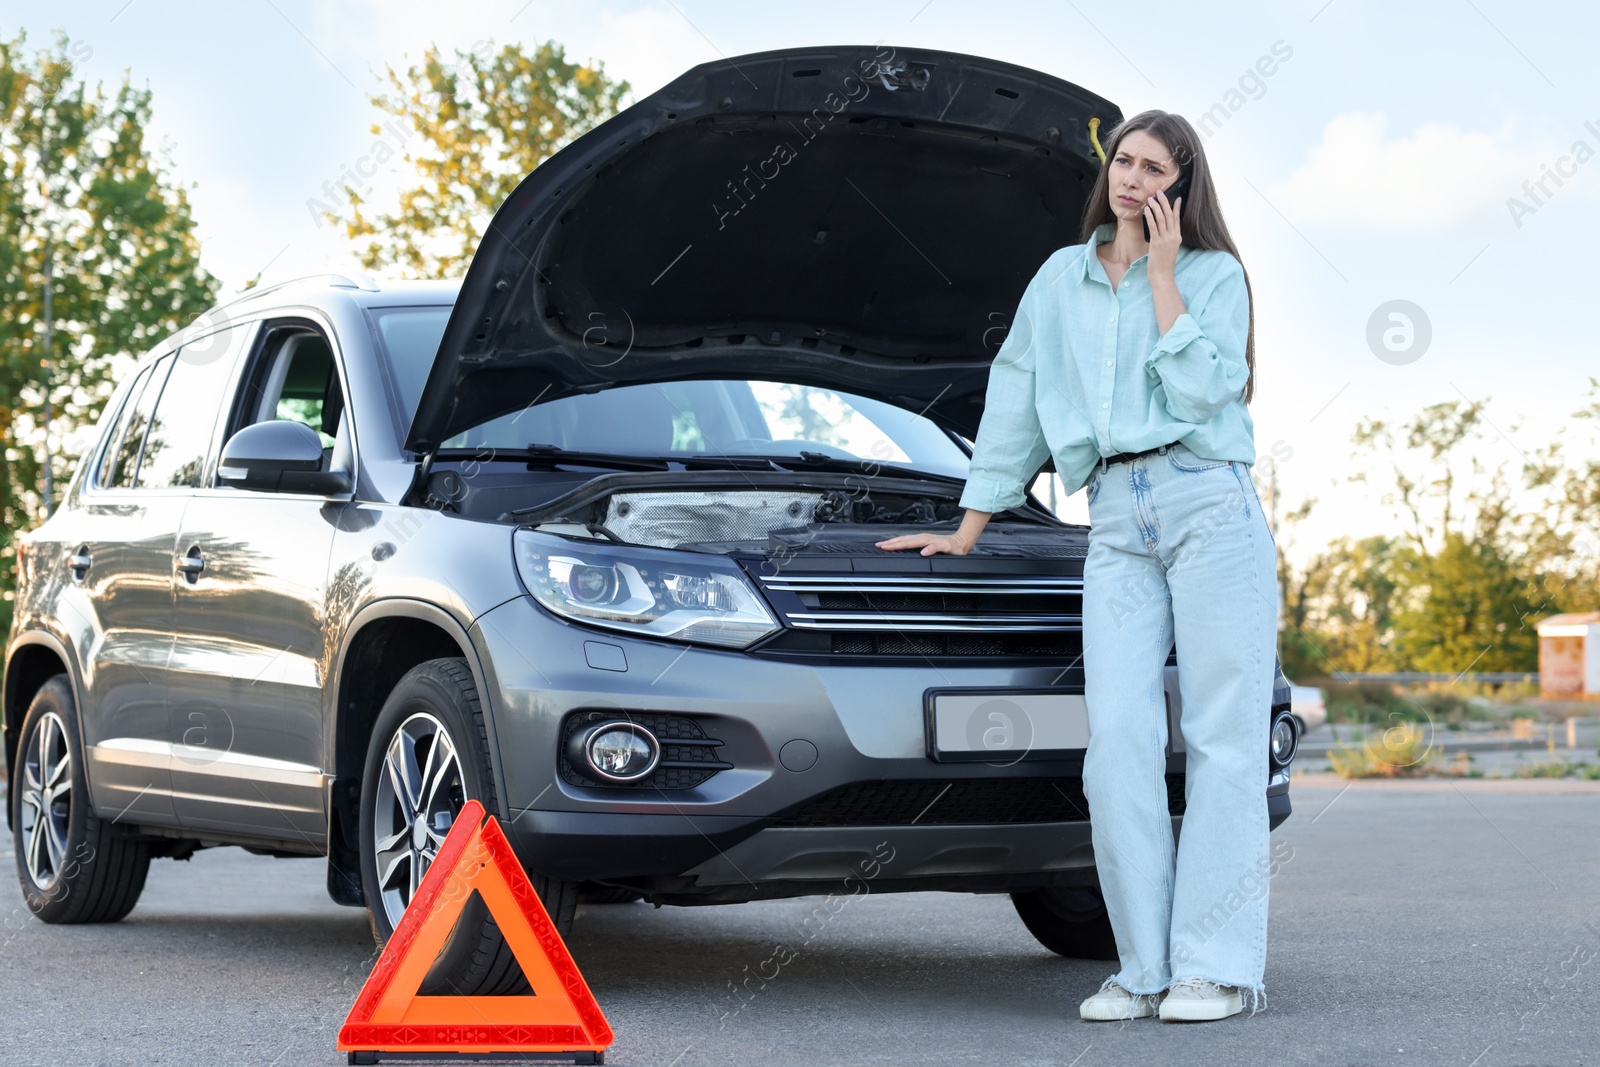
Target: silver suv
x=589 y=537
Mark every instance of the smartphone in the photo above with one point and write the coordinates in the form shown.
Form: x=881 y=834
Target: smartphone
x=1179 y=188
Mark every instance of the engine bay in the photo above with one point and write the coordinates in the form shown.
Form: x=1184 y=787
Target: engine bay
x=745 y=511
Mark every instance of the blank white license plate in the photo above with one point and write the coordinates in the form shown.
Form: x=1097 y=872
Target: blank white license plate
x=1004 y=725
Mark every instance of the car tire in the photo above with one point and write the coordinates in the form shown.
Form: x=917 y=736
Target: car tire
x=74 y=866
x=1070 y=921
x=434 y=700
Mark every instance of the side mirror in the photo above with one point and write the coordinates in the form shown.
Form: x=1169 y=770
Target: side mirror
x=280 y=456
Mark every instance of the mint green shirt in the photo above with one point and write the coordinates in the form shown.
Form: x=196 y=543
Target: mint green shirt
x=1084 y=372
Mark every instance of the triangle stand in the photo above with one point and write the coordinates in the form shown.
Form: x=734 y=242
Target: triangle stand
x=391 y=1021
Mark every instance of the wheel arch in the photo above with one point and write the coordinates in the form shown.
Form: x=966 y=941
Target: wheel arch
x=384 y=641
x=36 y=657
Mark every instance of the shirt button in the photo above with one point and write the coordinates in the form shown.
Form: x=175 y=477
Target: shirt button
x=1105 y=404
x=1109 y=362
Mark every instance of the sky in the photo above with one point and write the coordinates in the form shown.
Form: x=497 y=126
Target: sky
x=1443 y=153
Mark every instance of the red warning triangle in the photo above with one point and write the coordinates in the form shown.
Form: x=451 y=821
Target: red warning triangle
x=560 y=1016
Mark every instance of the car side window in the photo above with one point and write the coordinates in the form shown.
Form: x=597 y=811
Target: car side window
x=179 y=438
x=296 y=380
x=102 y=473
x=121 y=463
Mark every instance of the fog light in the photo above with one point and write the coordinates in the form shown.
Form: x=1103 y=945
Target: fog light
x=618 y=751
x=1285 y=739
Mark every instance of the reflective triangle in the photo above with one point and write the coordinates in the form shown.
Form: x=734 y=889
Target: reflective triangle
x=560 y=1016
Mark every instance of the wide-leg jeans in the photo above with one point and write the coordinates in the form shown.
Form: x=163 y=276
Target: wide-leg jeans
x=1179 y=550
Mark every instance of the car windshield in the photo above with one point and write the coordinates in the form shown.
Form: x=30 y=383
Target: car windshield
x=703 y=419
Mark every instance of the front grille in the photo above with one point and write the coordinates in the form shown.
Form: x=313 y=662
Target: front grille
x=688 y=755
x=870 y=614
x=1064 y=646
x=868 y=546
x=966 y=801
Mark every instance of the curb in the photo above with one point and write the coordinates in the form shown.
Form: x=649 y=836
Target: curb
x=1523 y=786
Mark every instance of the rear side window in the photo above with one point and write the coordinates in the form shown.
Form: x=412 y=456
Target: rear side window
x=179 y=437
x=103 y=473
x=122 y=457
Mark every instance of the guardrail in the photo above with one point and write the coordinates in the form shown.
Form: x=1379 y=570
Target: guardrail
x=1485 y=677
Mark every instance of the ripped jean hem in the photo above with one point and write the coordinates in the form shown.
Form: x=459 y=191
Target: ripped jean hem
x=1114 y=980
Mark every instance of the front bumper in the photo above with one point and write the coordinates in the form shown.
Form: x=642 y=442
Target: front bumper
x=753 y=830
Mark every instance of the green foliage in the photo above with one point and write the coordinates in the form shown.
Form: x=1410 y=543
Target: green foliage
x=1558 y=769
x=1473 y=563
x=1369 y=702
x=125 y=261
x=1444 y=706
x=1403 y=750
x=1340 y=613
x=1476 y=597
x=484 y=121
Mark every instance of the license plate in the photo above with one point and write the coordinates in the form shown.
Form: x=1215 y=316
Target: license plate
x=1005 y=725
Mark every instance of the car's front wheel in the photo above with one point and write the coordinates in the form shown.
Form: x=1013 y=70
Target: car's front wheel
x=428 y=756
x=75 y=867
x=1069 y=921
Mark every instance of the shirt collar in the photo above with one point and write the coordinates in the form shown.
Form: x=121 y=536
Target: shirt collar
x=1104 y=234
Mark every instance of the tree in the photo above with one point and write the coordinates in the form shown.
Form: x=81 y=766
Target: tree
x=1339 y=612
x=1470 y=599
x=1424 y=458
x=1565 y=533
x=79 y=184
x=484 y=121
x=1473 y=560
x=1473 y=566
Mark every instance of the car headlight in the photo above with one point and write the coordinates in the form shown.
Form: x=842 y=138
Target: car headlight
x=651 y=592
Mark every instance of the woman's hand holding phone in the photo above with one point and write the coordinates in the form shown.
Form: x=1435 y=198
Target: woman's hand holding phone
x=1161 y=223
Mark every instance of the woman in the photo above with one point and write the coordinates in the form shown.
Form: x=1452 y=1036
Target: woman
x=1131 y=362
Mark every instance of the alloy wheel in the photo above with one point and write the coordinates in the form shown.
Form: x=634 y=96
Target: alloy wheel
x=419 y=794
x=46 y=800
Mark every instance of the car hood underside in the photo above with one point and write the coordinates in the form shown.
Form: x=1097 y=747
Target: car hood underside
x=859 y=218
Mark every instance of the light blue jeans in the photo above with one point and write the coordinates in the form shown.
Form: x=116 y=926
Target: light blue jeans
x=1179 y=549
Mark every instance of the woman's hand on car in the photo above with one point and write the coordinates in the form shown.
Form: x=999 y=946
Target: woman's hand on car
x=930 y=544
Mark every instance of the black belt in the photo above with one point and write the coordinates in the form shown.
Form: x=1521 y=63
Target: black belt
x=1106 y=461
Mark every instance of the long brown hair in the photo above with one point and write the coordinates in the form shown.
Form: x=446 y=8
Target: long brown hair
x=1203 y=226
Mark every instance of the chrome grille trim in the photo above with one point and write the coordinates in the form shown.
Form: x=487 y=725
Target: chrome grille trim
x=924 y=584
x=1012 y=597
x=861 y=620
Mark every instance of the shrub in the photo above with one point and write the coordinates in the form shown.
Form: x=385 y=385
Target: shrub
x=1404 y=750
x=1443 y=706
x=1368 y=702
x=1558 y=769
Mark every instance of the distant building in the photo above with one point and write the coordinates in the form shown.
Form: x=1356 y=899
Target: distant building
x=1569 y=656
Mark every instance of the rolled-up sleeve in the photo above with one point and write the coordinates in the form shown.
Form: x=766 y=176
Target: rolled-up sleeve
x=1200 y=361
x=1010 y=447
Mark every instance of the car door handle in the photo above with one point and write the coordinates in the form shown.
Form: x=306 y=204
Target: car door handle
x=79 y=563
x=192 y=563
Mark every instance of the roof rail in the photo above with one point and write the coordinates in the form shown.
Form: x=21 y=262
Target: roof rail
x=337 y=281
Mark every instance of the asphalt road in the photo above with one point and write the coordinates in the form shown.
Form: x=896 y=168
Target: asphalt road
x=1427 y=923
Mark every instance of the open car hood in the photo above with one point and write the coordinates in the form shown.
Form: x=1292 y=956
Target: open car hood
x=861 y=218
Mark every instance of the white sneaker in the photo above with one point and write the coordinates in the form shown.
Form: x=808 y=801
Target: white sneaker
x=1193 y=1000
x=1113 y=1002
